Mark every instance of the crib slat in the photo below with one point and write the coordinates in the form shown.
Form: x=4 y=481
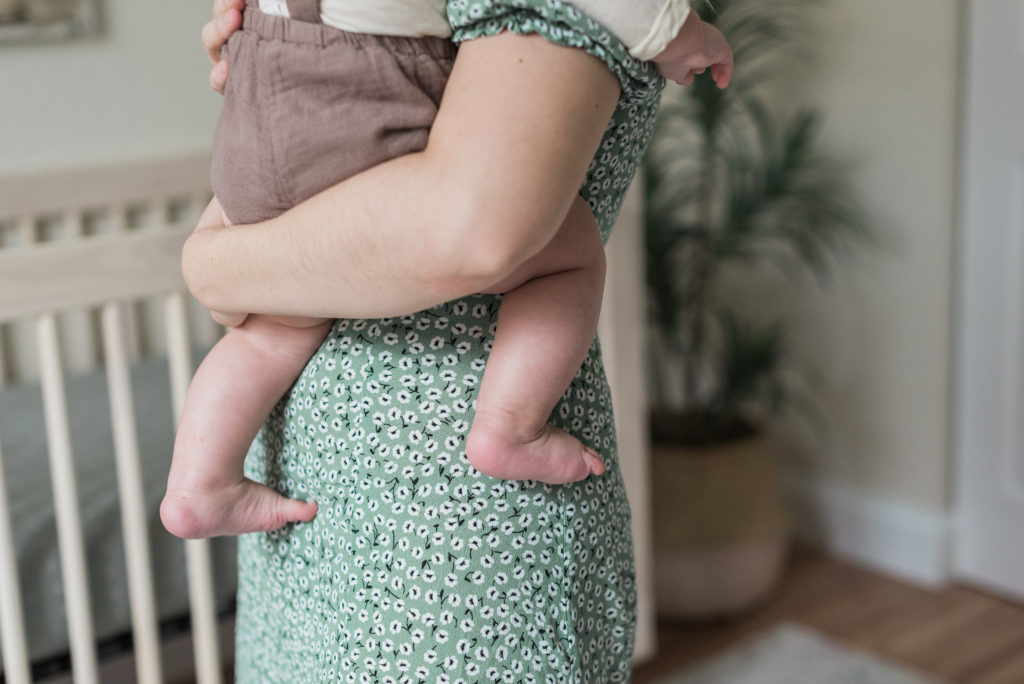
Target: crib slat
x=3 y=354
x=20 y=352
x=119 y=225
x=65 y=495
x=12 y=624
x=79 y=338
x=197 y=551
x=27 y=230
x=133 y=507
x=19 y=338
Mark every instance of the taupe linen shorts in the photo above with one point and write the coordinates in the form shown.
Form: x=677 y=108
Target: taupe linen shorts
x=308 y=105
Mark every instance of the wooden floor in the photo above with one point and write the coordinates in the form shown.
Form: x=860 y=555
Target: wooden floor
x=958 y=635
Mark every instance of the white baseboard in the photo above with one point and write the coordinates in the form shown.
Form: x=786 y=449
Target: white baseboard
x=892 y=537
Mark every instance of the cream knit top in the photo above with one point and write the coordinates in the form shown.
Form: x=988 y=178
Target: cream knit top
x=644 y=26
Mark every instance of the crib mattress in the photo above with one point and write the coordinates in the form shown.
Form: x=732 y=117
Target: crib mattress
x=23 y=441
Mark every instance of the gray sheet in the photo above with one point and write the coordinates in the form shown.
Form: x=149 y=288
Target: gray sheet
x=23 y=440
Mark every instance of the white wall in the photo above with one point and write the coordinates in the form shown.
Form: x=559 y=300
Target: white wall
x=886 y=76
x=138 y=90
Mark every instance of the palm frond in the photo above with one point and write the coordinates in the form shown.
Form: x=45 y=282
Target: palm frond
x=728 y=182
x=748 y=363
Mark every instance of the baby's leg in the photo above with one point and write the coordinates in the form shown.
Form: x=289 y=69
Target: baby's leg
x=237 y=385
x=234 y=390
x=545 y=327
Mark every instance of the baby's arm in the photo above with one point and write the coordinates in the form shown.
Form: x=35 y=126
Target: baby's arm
x=668 y=33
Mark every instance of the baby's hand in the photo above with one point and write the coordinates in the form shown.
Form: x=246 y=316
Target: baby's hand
x=697 y=46
x=227 y=18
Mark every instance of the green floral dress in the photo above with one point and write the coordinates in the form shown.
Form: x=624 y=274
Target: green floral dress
x=417 y=568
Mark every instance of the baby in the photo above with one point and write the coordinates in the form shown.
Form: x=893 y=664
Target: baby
x=318 y=93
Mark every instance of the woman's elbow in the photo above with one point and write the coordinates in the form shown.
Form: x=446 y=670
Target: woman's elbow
x=459 y=270
x=481 y=249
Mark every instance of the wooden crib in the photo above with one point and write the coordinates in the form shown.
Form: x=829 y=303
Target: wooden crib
x=91 y=292
x=90 y=281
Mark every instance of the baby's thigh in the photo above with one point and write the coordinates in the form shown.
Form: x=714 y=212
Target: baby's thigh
x=285 y=336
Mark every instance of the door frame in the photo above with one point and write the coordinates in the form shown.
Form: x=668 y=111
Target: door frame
x=988 y=429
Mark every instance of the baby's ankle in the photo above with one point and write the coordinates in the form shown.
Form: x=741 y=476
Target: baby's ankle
x=498 y=427
x=206 y=483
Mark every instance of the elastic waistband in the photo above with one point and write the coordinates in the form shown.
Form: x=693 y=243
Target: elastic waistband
x=273 y=27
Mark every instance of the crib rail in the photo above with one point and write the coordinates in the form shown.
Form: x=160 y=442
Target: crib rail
x=60 y=208
x=28 y=197
x=92 y=272
x=47 y=281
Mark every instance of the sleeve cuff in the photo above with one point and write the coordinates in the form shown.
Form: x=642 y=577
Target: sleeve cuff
x=562 y=24
x=664 y=29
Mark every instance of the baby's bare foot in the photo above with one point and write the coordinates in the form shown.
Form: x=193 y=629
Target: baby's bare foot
x=245 y=506
x=552 y=455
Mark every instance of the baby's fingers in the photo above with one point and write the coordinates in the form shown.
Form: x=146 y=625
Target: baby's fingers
x=219 y=76
x=222 y=6
x=228 y=320
x=594 y=463
x=722 y=73
x=217 y=31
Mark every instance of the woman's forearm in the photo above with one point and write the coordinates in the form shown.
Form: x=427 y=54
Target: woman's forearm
x=356 y=250
x=519 y=123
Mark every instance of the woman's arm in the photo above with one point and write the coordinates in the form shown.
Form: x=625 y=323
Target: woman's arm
x=519 y=123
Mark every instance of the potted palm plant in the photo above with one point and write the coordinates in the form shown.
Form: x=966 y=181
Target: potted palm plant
x=729 y=183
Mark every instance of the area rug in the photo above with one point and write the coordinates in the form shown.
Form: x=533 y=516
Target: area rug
x=792 y=654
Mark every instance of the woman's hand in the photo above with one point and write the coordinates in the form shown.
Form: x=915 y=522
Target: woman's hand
x=213 y=218
x=227 y=18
